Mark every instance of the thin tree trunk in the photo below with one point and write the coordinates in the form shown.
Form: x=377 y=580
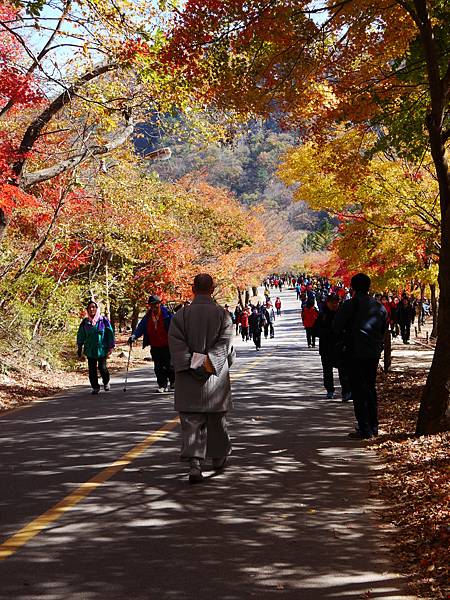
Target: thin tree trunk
x=434 y=309
x=240 y=300
x=387 y=354
x=134 y=316
x=3 y=224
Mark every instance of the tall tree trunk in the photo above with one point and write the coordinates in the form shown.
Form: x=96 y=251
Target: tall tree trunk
x=433 y=413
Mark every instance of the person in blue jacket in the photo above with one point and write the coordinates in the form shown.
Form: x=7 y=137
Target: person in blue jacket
x=154 y=328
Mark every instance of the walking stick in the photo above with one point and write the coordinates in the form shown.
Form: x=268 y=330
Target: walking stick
x=128 y=366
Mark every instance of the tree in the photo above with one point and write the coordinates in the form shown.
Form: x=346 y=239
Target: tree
x=323 y=62
x=85 y=111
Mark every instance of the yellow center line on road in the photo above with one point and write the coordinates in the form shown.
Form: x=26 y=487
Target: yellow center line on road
x=249 y=367
x=27 y=533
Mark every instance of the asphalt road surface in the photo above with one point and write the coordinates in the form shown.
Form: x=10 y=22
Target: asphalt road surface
x=95 y=505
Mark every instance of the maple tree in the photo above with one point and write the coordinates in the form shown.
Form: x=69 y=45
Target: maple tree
x=386 y=208
x=315 y=64
x=73 y=51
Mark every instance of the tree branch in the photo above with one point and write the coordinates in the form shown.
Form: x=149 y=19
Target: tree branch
x=34 y=130
x=29 y=179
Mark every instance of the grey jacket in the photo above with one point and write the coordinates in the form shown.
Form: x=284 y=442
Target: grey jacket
x=207 y=328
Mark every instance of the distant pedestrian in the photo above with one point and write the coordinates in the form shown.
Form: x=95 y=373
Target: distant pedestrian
x=244 y=324
x=309 y=317
x=96 y=337
x=330 y=350
x=405 y=317
x=237 y=318
x=255 y=322
x=278 y=305
x=154 y=328
x=200 y=343
x=268 y=315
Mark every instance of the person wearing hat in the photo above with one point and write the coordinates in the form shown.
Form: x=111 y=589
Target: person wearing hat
x=154 y=328
x=96 y=335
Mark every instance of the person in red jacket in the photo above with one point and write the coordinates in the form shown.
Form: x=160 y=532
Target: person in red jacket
x=278 y=306
x=244 y=324
x=309 y=318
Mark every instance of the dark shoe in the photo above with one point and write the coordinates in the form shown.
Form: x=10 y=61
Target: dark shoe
x=357 y=435
x=195 y=471
x=218 y=464
x=330 y=395
x=346 y=397
x=95 y=391
x=107 y=387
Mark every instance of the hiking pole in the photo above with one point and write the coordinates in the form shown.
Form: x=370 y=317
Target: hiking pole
x=128 y=366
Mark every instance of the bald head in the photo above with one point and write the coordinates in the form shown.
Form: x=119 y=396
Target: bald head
x=203 y=284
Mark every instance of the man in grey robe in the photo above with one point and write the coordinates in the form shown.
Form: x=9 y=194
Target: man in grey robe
x=200 y=345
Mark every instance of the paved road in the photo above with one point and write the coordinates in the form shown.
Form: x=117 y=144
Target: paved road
x=290 y=518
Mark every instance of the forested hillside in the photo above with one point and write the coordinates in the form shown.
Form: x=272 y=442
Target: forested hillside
x=245 y=161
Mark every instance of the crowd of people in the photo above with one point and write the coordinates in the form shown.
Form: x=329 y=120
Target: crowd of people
x=192 y=349
x=256 y=318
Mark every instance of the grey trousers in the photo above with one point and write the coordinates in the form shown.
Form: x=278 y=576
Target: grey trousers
x=204 y=435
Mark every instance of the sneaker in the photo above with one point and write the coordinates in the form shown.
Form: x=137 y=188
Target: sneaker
x=160 y=390
x=346 y=397
x=330 y=395
x=95 y=391
x=107 y=387
x=218 y=464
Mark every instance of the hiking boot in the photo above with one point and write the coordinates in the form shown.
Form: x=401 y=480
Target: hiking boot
x=330 y=396
x=195 y=471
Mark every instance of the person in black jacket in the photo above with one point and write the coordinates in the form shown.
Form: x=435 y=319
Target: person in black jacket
x=405 y=316
x=363 y=321
x=255 y=323
x=329 y=349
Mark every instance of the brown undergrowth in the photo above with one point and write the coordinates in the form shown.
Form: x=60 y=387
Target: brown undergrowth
x=23 y=380
x=415 y=484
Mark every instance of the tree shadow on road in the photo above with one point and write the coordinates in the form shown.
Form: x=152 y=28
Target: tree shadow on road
x=289 y=518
